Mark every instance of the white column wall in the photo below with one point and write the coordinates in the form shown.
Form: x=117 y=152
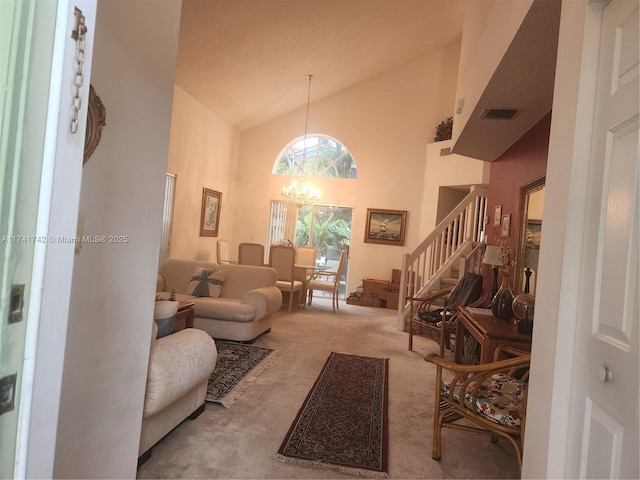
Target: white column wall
x=113 y=288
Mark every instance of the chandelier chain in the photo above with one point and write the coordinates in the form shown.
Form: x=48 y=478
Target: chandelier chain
x=302 y=194
x=306 y=120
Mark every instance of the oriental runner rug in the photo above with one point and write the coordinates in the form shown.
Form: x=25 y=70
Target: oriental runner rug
x=237 y=366
x=342 y=424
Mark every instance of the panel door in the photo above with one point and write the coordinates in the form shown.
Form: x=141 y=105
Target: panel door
x=606 y=386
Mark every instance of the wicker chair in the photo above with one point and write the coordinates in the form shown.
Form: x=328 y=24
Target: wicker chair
x=440 y=323
x=494 y=400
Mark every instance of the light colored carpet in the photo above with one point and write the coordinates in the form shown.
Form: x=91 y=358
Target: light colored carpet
x=240 y=442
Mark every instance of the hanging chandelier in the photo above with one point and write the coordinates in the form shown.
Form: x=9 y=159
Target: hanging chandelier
x=300 y=192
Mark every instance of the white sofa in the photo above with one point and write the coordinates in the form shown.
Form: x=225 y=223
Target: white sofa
x=243 y=309
x=180 y=365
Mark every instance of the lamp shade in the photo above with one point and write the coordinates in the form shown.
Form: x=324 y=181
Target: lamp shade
x=492 y=255
x=531 y=255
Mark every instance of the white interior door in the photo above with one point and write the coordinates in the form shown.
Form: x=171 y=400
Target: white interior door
x=22 y=136
x=40 y=174
x=604 y=427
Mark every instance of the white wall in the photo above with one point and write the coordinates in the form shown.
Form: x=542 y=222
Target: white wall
x=554 y=328
x=203 y=153
x=113 y=285
x=386 y=122
x=447 y=171
x=489 y=28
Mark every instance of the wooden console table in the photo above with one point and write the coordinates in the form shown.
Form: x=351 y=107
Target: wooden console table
x=186 y=313
x=478 y=335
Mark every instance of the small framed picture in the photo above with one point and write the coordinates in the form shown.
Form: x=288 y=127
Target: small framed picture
x=385 y=226
x=506 y=224
x=210 y=213
x=497 y=216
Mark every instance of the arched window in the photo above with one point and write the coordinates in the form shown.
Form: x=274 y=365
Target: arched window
x=318 y=156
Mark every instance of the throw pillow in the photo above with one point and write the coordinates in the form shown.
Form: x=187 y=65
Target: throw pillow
x=206 y=283
x=164 y=314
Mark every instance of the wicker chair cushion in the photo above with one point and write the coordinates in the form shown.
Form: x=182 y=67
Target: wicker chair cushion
x=500 y=399
x=433 y=316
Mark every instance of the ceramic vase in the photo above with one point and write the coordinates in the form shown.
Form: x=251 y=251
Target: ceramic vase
x=501 y=305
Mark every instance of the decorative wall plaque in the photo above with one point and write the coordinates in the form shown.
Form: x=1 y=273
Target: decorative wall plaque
x=96 y=119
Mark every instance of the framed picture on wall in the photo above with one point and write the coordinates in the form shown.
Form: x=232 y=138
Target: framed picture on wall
x=506 y=225
x=497 y=215
x=385 y=226
x=210 y=213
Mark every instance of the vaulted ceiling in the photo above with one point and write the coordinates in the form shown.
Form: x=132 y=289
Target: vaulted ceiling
x=248 y=60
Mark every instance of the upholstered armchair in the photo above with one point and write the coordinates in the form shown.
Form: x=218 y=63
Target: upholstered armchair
x=491 y=397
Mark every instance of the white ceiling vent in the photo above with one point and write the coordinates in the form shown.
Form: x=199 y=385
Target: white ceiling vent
x=498 y=113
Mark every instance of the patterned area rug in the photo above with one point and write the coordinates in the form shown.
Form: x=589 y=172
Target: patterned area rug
x=342 y=424
x=237 y=366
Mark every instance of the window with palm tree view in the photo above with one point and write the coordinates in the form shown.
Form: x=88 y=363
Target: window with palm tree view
x=323 y=226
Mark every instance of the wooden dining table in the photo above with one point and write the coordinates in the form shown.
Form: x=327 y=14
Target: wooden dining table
x=303 y=274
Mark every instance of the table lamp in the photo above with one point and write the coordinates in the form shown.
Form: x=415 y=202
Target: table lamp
x=492 y=257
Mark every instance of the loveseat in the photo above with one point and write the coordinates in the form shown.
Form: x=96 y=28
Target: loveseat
x=180 y=365
x=231 y=302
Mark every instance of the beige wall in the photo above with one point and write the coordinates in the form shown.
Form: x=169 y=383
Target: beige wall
x=203 y=154
x=113 y=287
x=386 y=122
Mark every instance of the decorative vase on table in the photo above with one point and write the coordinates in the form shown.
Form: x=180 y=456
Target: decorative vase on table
x=501 y=305
x=523 y=309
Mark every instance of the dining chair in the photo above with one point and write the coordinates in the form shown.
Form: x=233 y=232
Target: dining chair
x=222 y=252
x=307 y=256
x=251 y=254
x=282 y=258
x=328 y=281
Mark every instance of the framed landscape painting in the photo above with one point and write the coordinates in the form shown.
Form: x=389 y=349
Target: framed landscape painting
x=385 y=226
x=210 y=214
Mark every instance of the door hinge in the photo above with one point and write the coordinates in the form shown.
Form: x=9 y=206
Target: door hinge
x=7 y=393
x=17 y=302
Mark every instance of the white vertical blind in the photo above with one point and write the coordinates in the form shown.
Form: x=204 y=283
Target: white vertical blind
x=167 y=217
x=278 y=227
